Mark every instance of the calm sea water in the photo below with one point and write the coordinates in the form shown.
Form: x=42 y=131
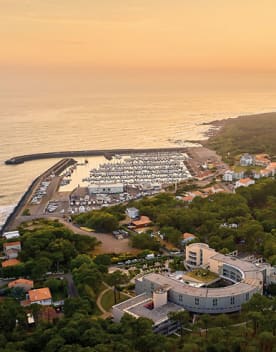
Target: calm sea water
x=67 y=122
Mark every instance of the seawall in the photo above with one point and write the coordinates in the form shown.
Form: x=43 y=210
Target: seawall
x=56 y=169
x=82 y=153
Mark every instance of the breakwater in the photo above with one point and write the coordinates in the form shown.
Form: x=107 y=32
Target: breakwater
x=55 y=169
x=82 y=153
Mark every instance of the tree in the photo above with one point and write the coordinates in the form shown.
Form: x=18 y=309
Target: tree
x=182 y=318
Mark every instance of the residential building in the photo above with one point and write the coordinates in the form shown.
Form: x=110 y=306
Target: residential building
x=25 y=284
x=133 y=213
x=189 y=198
x=262 y=160
x=11 y=249
x=11 y=234
x=247 y=160
x=187 y=237
x=228 y=176
x=10 y=262
x=142 y=222
x=244 y=182
x=40 y=296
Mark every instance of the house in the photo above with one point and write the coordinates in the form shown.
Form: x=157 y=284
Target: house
x=238 y=175
x=11 y=234
x=187 y=237
x=228 y=176
x=40 y=296
x=262 y=160
x=133 y=213
x=247 y=160
x=272 y=168
x=11 y=249
x=27 y=285
x=202 y=175
x=265 y=173
x=189 y=198
x=142 y=222
x=244 y=182
x=10 y=262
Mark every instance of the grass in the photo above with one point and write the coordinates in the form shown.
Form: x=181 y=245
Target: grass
x=247 y=134
x=108 y=299
x=239 y=168
x=202 y=275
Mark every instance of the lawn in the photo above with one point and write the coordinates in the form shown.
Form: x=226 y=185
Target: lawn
x=202 y=275
x=108 y=299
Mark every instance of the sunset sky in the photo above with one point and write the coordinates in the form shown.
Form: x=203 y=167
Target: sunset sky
x=139 y=34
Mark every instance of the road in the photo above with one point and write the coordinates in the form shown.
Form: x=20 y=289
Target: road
x=72 y=290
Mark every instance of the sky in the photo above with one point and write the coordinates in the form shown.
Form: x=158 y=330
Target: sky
x=141 y=35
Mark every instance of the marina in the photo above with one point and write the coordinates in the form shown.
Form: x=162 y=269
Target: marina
x=156 y=168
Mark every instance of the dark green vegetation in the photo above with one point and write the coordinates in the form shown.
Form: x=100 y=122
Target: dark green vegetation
x=251 y=331
x=104 y=220
x=145 y=241
x=246 y=134
x=47 y=246
x=245 y=220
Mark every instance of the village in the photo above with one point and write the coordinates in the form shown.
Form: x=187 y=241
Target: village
x=167 y=252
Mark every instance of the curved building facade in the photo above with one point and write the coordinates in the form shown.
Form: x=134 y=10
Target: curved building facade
x=246 y=278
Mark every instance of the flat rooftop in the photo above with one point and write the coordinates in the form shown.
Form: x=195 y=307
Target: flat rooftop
x=137 y=307
x=181 y=288
x=243 y=265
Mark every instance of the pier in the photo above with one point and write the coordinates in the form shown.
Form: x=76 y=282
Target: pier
x=82 y=153
x=54 y=170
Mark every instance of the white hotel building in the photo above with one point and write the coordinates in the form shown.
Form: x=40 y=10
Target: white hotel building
x=244 y=278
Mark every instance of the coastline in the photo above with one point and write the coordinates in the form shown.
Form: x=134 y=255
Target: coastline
x=217 y=126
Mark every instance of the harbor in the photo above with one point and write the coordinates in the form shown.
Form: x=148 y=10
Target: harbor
x=161 y=168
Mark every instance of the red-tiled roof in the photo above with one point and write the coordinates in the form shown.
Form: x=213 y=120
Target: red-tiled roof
x=245 y=180
x=143 y=221
x=10 y=262
x=20 y=282
x=188 y=235
x=11 y=244
x=40 y=294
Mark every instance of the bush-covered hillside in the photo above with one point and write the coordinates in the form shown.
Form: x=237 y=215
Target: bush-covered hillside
x=251 y=134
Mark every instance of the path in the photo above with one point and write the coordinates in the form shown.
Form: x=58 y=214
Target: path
x=105 y=314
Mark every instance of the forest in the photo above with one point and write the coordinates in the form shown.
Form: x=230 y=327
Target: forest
x=253 y=330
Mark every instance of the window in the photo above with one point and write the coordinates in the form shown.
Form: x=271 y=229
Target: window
x=232 y=300
x=215 y=302
x=197 y=301
x=247 y=296
x=180 y=298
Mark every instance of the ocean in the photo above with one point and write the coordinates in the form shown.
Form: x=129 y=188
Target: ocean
x=32 y=122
